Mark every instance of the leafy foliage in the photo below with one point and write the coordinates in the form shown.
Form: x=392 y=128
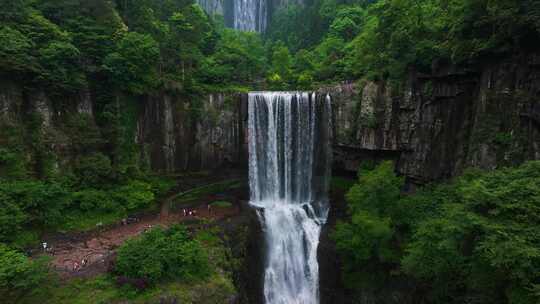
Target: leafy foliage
x=476 y=238
x=239 y=59
x=133 y=64
x=18 y=274
x=382 y=39
x=162 y=255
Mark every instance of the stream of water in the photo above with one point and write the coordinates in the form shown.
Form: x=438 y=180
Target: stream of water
x=289 y=167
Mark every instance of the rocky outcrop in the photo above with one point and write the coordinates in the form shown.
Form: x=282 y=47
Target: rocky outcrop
x=172 y=133
x=178 y=135
x=433 y=126
x=250 y=281
x=11 y=100
x=436 y=125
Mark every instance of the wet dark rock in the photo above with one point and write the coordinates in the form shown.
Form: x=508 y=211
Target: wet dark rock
x=332 y=289
x=436 y=125
x=251 y=275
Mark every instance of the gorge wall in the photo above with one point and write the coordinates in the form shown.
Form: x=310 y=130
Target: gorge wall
x=436 y=125
x=170 y=133
x=433 y=125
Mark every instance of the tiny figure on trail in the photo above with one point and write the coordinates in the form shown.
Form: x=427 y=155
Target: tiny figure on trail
x=124 y=221
x=185 y=212
x=84 y=262
x=190 y=213
x=76 y=266
x=44 y=244
x=194 y=212
x=147 y=227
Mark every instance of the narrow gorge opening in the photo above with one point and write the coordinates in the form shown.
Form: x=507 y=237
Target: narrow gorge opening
x=289 y=169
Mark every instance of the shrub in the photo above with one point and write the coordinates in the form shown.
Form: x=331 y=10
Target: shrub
x=18 y=274
x=12 y=164
x=221 y=204
x=42 y=202
x=94 y=170
x=92 y=199
x=162 y=255
x=134 y=195
x=11 y=218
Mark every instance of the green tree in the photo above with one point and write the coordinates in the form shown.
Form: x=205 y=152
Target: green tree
x=41 y=202
x=281 y=66
x=94 y=170
x=370 y=203
x=18 y=274
x=15 y=51
x=162 y=255
x=12 y=218
x=60 y=62
x=133 y=65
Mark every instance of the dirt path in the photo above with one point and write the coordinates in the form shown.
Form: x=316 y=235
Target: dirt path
x=92 y=253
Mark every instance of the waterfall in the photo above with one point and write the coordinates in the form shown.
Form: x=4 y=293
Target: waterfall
x=289 y=166
x=250 y=15
x=243 y=15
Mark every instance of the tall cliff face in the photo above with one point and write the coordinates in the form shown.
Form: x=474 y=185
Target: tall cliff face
x=171 y=133
x=37 y=126
x=176 y=136
x=436 y=125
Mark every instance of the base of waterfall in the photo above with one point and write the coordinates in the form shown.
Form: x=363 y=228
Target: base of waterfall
x=292 y=234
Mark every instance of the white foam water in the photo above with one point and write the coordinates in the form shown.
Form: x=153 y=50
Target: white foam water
x=289 y=167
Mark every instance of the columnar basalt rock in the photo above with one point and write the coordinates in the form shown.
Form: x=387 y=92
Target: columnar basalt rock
x=11 y=100
x=177 y=135
x=172 y=133
x=436 y=125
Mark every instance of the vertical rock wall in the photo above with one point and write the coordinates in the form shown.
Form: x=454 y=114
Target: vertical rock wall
x=173 y=134
x=436 y=125
x=176 y=136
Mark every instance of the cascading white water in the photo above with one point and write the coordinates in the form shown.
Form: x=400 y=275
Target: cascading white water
x=250 y=15
x=289 y=166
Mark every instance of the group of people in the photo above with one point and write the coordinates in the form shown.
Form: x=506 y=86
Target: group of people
x=77 y=266
x=193 y=212
x=188 y=212
x=47 y=248
x=147 y=228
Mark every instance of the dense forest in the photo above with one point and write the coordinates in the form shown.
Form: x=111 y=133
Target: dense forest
x=474 y=239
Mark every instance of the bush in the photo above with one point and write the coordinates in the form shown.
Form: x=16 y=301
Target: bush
x=18 y=274
x=161 y=185
x=221 y=204
x=12 y=164
x=42 y=202
x=162 y=255
x=369 y=233
x=92 y=199
x=11 y=218
x=134 y=195
x=94 y=170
